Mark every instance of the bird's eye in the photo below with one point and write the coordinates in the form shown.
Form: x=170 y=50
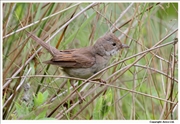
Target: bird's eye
x=114 y=44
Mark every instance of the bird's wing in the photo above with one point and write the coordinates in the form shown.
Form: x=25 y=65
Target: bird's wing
x=73 y=58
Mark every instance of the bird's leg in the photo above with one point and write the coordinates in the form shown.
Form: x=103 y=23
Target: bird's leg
x=81 y=99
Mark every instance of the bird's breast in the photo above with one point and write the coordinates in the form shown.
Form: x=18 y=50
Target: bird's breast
x=87 y=72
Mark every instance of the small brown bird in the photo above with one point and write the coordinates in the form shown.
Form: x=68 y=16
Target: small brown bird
x=84 y=62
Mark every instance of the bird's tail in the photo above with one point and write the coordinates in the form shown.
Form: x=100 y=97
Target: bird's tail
x=49 y=48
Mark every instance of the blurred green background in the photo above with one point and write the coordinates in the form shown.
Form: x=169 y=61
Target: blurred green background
x=151 y=83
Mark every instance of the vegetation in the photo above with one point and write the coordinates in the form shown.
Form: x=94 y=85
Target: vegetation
x=141 y=82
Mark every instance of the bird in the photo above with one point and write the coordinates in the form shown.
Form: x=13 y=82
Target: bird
x=83 y=62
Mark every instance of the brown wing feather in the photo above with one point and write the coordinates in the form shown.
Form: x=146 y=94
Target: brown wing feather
x=73 y=58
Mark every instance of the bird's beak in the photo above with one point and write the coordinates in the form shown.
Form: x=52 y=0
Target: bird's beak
x=125 y=46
